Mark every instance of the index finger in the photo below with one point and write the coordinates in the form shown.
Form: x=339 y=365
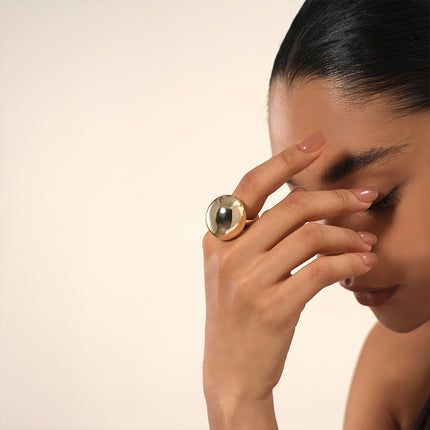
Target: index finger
x=266 y=178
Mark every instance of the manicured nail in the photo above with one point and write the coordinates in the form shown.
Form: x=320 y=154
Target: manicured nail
x=369 y=258
x=365 y=194
x=367 y=238
x=313 y=142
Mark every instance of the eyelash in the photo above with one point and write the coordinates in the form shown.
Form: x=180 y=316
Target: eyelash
x=390 y=199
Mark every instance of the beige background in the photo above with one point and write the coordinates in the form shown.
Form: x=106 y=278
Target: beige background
x=120 y=122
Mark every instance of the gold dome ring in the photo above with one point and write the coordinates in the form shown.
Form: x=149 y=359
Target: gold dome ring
x=226 y=217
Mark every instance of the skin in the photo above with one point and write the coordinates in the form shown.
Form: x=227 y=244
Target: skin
x=403 y=230
x=253 y=303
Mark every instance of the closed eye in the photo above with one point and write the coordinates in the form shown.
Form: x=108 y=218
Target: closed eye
x=389 y=200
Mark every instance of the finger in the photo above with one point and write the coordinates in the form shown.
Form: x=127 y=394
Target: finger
x=305 y=243
x=266 y=178
x=300 y=288
x=303 y=206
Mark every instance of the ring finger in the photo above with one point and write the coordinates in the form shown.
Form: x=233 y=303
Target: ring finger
x=303 y=244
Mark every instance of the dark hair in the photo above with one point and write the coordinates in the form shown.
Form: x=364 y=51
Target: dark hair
x=365 y=47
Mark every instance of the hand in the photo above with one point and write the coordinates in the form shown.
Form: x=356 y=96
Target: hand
x=253 y=303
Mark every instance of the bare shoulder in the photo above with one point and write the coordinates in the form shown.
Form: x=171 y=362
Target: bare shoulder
x=391 y=380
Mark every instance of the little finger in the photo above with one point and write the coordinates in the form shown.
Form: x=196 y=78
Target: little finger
x=300 y=288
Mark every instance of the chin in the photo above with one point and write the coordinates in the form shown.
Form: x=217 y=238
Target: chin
x=400 y=324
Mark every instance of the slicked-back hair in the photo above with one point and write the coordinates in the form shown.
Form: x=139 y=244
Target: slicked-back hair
x=364 y=47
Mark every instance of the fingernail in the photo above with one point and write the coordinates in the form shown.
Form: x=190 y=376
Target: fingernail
x=313 y=142
x=367 y=238
x=365 y=194
x=369 y=258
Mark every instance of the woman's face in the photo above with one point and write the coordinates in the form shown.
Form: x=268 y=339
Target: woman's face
x=402 y=227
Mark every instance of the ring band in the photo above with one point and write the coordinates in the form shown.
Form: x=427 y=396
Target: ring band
x=226 y=217
x=250 y=221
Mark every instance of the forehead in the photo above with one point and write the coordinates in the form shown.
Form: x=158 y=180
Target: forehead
x=296 y=112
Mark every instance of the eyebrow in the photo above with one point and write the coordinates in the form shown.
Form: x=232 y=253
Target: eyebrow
x=354 y=162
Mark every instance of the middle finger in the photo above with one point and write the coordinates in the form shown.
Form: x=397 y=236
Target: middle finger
x=303 y=206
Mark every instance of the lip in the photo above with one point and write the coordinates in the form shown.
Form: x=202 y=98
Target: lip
x=373 y=296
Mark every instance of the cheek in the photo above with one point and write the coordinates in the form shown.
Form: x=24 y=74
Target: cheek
x=417 y=249
x=405 y=244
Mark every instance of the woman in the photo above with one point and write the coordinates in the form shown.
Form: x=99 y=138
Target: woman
x=350 y=83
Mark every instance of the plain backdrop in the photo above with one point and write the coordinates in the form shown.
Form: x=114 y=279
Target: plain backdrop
x=120 y=122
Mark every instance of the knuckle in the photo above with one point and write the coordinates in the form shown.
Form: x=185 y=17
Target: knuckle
x=224 y=260
x=342 y=196
x=250 y=182
x=241 y=288
x=289 y=157
x=312 y=234
x=297 y=199
x=266 y=311
x=218 y=260
x=321 y=269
